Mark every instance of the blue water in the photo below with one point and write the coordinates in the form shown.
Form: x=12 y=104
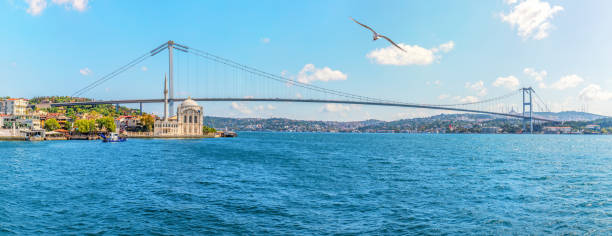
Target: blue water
x=288 y=183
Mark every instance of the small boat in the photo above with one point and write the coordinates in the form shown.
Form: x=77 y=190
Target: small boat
x=113 y=137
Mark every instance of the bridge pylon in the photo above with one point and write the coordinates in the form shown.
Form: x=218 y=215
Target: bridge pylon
x=528 y=91
x=171 y=75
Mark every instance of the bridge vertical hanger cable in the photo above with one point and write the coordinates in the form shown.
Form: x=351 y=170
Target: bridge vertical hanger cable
x=268 y=78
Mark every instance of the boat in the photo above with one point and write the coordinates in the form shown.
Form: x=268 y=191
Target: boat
x=112 y=138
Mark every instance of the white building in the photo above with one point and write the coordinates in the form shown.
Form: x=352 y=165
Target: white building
x=189 y=119
x=13 y=106
x=490 y=130
x=557 y=130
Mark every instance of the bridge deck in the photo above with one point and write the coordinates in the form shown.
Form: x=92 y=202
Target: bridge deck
x=136 y=101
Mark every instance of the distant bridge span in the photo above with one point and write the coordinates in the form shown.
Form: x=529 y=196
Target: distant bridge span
x=391 y=104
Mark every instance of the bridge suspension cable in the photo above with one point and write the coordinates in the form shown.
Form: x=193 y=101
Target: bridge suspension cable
x=513 y=93
x=278 y=78
x=242 y=75
x=120 y=70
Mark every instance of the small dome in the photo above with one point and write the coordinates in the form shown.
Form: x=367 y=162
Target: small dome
x=189 y=102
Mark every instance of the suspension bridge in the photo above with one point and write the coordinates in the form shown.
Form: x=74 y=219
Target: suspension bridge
x=210 y=78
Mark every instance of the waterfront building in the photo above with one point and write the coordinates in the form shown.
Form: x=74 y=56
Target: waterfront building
x=28 y=122
x=128 y=123
x=593 y=128
x=490 y=130
x=557 y=130
x=13 y=106
x=60 y=118
x=189 y=119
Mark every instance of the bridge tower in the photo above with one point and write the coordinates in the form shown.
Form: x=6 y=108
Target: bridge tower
x=171 y=75
x=165 y=99
x=528 y=91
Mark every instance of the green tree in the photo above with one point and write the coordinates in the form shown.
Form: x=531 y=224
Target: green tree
x=51 y=124
x=147 y=121
x=208 y=130
x=106 y=122
x=68 y=125
x=85 y=126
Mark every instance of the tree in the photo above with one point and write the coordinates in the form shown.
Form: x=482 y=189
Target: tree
x=68 y=125
x=147 y=121
x=208 y=130
x=106 y=122
x=51 y=124
x=85 y=126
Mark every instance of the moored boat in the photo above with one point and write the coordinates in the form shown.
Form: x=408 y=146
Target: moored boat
x=113 y=137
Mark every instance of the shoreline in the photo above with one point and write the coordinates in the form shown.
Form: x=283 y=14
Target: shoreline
x=91 y=138
x=13 y=138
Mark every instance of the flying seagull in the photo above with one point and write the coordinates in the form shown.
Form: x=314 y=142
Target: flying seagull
x=377 y=36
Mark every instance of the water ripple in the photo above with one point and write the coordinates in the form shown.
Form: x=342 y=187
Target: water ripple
x=275 y=183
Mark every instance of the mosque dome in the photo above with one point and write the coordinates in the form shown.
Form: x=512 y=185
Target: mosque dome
x=189 y=102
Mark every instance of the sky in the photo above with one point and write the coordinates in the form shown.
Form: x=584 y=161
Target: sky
x=456 y=51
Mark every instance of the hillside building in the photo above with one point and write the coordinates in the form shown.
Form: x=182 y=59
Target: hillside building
x=13 y=106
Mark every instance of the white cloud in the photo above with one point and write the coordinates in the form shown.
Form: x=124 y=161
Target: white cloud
x=537 y=76
x=509 y=82
x=436 y=83
x=144 y=68
x=263 y=108
x=443 y=96
x=445 y=47
x=241 y=108
x=532 y=17
x=468 y=99
x=85 y=71
x=36 y=7
x=336 y=107
x=265 y=40
x=477 y=86
x=568 y=81
x=510 y=2
x=594 y=92
x=414 y=55
x=310 y=73
x=78 y=5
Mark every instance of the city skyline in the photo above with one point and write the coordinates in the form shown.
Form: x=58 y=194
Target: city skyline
x=465 y=52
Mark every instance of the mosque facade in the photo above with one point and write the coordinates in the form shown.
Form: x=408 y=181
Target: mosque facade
x=188 y=121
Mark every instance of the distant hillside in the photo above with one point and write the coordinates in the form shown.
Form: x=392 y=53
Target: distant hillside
x=466 y=121
x=570 y=116
x=283 y=124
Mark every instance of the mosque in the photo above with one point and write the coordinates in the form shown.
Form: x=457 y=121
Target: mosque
x=187 y=122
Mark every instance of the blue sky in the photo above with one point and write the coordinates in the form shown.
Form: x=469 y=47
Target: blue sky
x=457 y=50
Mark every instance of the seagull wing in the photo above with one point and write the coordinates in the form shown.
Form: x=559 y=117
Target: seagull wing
x=388 y=39
x=365 y=26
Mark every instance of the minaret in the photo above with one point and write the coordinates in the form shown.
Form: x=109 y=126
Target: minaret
x=165 y=99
